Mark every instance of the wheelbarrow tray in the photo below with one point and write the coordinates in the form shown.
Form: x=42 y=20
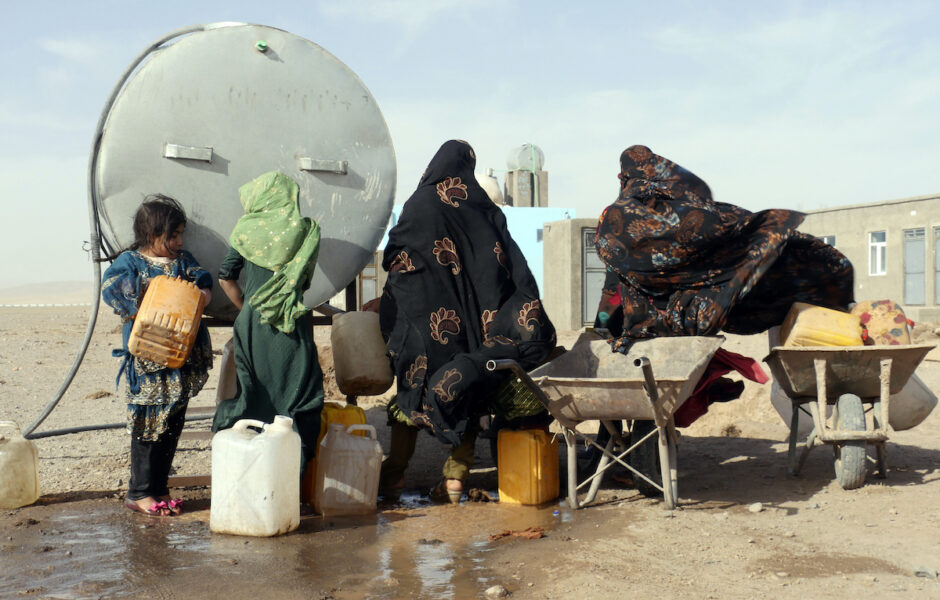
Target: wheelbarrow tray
x=591 y=382
x=849 y=369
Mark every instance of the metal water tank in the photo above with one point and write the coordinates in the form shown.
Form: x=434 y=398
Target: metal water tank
x=490 y=185
x=527 y=157
x=210 y=107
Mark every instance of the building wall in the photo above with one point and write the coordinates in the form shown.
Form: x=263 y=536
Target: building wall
x=852 y=226
x=562 y=292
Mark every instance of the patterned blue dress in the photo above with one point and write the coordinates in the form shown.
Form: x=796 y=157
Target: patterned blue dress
x=154 y=392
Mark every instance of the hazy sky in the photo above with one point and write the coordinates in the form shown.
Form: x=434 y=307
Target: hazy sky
x=775 y=104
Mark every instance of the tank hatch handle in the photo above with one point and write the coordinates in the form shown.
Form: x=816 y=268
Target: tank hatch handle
x=328 y=166
x=190 y=152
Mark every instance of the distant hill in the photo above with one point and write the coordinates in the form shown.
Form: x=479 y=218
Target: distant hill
x=58 y=292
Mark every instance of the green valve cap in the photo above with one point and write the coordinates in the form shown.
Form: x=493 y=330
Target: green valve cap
x=261 y=45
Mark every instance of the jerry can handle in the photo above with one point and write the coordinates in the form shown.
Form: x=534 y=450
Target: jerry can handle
x=353 y=428
x=243 y=424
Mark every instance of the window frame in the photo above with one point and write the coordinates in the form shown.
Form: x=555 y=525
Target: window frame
x=881 y=248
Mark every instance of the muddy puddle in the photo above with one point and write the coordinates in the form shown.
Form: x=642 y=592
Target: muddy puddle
x=413 y=549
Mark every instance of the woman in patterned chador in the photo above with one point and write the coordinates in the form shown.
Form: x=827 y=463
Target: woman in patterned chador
x=680 y=263
x=459 y=293
x=687 y=265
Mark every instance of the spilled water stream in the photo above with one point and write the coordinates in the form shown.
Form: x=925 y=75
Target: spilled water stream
x=97 y=549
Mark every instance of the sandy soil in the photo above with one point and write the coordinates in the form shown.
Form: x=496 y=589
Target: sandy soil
x=806 y=537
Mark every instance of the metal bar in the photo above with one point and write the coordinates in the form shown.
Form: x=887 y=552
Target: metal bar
x=618 y=459
x=572 y=467
x=792 y=461
x=819 y=364
x=810 y=442
x=652 y=392
x=843 y=436
x=339 y=167
x=329 y=310
x=203 y=153
x=352 y=302
x=598 y=476
x=885 y=396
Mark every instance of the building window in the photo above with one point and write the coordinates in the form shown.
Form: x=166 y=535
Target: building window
x=915 y=263
x=828 y=239
x=877 y=252
x=369 y=281
x=592 y=276
x=936 y=265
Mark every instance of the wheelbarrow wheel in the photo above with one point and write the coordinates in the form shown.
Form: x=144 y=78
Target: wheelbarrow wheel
x=850 y=455
x=645 y=458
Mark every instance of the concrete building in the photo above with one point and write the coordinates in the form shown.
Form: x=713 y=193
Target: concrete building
x=892 y=245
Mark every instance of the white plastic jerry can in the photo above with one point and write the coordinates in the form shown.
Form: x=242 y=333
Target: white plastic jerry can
x=347 y=471
x=19 y=469
x=256 y=479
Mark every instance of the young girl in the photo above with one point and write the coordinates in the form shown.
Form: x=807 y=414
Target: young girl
x=156 y=395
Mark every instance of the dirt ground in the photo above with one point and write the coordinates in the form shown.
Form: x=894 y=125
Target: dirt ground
x=744 y=528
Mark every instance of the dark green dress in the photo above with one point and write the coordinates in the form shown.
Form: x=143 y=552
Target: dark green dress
x=278 y=373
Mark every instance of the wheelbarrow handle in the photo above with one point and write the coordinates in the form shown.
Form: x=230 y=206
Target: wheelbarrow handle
x=643 y=363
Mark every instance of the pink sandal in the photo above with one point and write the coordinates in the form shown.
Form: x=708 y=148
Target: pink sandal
x=156 y=509
x=175 y=505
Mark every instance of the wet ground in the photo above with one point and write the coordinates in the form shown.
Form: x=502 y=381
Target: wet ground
x=98 y=549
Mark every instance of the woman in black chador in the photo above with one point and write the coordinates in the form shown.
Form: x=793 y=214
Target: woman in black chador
x=459 y=292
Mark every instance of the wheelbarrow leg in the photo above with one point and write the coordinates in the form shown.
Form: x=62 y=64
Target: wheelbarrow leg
x=667 y=464
x=880 y=454
x=792 y=461
x=570 y=441
x=599 y=471
x=804 y=454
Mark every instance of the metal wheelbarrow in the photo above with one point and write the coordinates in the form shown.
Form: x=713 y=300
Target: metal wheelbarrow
x=590 y=383
x=844 y=378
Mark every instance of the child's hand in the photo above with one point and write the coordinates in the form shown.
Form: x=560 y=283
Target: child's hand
x=372 y=305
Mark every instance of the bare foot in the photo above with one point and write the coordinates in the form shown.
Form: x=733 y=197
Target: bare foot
x=175 y=505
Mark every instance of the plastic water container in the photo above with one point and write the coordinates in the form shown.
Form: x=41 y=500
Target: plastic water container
x=808 y=325
x=884 y=322
x=333 y=412
x=19 y=471
x=359 y=357
x=167 y=321
x=527 y=464
x=348 y=471
x=256 y=479
x=911 y=405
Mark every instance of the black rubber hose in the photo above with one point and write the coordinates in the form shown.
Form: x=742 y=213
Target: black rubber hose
x=82 y=428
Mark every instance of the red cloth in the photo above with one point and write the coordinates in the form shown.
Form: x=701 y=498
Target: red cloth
x=722 y=362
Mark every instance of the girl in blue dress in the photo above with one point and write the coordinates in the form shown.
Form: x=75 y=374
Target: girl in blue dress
x=157 y=396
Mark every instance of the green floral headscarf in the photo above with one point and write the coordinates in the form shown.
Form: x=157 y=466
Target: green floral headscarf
x=272 y=234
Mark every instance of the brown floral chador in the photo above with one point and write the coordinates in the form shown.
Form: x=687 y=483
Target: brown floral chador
x=688 y=265
x=459 y=292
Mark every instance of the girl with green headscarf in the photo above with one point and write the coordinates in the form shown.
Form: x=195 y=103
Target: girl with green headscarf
x=275 y=356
